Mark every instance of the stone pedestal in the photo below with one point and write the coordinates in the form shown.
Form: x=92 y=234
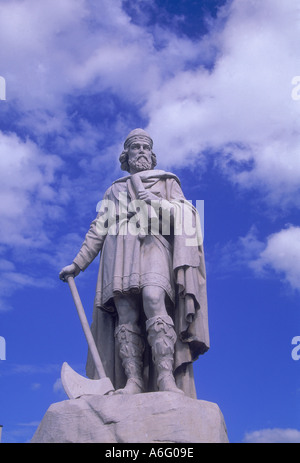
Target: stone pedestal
x=142 y=418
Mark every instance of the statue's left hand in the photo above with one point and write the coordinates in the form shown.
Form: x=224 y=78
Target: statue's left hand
x=147 y=196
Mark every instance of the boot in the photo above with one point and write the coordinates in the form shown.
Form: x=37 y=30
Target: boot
x=162 y=338
x=131 y=352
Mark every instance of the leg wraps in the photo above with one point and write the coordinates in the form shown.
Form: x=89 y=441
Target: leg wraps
x=162 y=338
x=131 y=351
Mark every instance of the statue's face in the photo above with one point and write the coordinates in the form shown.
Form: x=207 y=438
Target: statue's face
x=139 y=156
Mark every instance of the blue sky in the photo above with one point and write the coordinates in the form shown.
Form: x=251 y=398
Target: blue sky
x=211 y=81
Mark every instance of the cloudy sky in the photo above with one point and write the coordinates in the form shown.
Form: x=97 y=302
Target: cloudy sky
x=216 y=84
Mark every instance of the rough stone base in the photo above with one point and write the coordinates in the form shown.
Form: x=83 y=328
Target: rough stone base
x=142 y=418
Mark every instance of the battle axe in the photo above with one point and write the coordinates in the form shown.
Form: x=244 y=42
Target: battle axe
x=74 y=384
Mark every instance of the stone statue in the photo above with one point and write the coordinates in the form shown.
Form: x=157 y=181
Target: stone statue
x=150 y=311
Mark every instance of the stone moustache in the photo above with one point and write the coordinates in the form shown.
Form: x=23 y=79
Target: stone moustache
x=150 y=313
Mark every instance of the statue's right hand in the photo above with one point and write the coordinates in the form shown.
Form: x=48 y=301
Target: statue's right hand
x=70 y=270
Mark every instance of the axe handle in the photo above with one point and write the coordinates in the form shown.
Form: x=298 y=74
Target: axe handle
x=86 y=328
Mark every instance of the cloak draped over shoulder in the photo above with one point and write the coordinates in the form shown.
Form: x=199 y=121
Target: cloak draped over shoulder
x=174 y=261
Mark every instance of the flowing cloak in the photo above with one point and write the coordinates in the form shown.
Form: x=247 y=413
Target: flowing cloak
x=178 y=267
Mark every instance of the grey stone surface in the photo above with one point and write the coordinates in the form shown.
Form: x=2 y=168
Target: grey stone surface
x=141 y=418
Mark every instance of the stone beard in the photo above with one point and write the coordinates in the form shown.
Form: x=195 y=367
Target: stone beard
x=140 y=164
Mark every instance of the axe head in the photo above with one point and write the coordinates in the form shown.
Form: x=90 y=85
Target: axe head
x=76 y=385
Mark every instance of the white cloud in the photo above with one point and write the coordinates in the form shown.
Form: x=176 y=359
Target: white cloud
x=12 y=279
x=55 y=48
x=29 y=200
x=58 y=387
x=63 y=251
x=53 y=52
x=282 y=256
x=6 y=265
x=273 y=436
x=35 y=386
x=30 y=32
x=277 y=256
x=243 y=106
x=27 y=192
x=240 y=107
x=235 y=255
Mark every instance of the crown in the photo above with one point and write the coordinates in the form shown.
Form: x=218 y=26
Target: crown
x=138 y=134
